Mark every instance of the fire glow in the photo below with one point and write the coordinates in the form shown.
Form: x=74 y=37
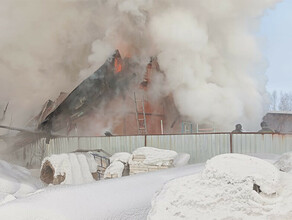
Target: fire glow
x=118 y=65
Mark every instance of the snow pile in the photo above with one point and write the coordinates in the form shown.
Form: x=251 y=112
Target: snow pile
x=231 y=186
x=147 y=159
x=114 y=170
x=284 y=163
x=119 y=162
x=153 y=156
x=238 y=168
x=271 y=158
x=16 y=181
x=121 y=156
x=71 y=168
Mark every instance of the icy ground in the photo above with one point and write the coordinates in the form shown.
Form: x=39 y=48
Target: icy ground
x=232 y=186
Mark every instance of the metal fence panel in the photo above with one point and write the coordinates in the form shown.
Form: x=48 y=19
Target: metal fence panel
x=109 y=144
x=201 y=147
x=261 y=143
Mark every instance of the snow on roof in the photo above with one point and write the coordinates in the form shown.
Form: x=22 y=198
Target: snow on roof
x=280 y=112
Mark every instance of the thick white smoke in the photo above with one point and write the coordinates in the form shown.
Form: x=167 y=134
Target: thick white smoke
x=206 y=48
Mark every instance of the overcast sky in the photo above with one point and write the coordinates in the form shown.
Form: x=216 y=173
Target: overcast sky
x=276 y=28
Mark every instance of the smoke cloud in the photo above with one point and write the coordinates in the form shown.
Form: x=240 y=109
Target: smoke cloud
x=206 y=48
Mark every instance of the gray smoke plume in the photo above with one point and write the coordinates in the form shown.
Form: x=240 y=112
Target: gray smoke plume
x=206 y=48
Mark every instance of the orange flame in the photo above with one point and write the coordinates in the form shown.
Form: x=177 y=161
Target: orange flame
x=118 y=65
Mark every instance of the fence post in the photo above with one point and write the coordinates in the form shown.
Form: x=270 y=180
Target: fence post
x=145 y=141
x=230 y=140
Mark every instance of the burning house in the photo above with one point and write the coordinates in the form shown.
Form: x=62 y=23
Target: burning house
x=114 y=99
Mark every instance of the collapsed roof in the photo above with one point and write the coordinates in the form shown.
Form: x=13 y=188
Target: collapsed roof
x=105 y=83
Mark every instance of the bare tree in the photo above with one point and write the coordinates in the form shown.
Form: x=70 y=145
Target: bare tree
x=285 y=103
x=274 y=101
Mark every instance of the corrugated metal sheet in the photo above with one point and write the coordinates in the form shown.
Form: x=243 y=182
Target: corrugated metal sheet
x=31 y=155
x=261 y=143
x=109 y=144
x=201 y=147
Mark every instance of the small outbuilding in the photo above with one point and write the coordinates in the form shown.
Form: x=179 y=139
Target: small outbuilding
x=279 y=121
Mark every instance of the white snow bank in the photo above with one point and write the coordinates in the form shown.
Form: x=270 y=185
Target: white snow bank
x=114 y=170
x=121 y=156
x=236 y=168
x=16 y=181
x=116 y=199
x=154 y=156
x=284 y=163
x=225 y=189
x=77 y=167
x=181 y=159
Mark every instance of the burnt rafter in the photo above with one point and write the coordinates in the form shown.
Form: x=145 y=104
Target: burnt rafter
x=109 y=80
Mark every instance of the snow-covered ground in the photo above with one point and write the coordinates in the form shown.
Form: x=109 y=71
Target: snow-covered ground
x=232 y=186
x=130 y=197
x=122 y=198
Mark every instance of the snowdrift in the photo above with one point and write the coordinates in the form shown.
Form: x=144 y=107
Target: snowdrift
x=71 y=168
x=231 y=186
x=15 y=182
x=117 y=199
